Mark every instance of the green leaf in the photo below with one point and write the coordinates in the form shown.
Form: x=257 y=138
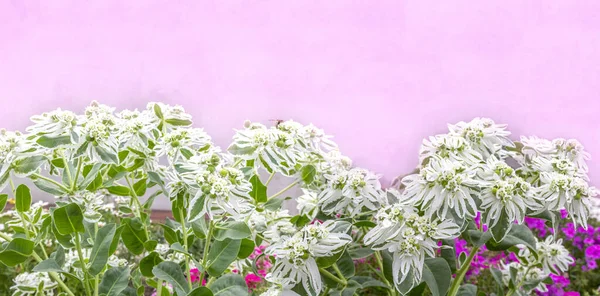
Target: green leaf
x=201 y=291
x=53 y=142
x=48 y=265
x=49 y=187
x=178 y=122
x=99 y=255
x=17 y=251
x=346 y=265
x=107 y=155
x=3 y=199
x=158 y=111
x=246 y=248
x=229 y=285
x=274 y=204
x=308 y=174
x=360 y=253
x=232 y=230
x=518 y=234
x=96 y=183
x=171 y=273
x=23 y=198
x=68 y=219
x=259 y=190
x=501 y=228
x=467 y=290
x=196 y=207
x=325 y=262
x=449 y=253
x=170 y=235
x=437 y=275
x=418 y=290
x=114 y=281
x=140 y=187
x=26 y=165
x=147 y=264
x=221 y=255
x=134 y=236
x=119 y=190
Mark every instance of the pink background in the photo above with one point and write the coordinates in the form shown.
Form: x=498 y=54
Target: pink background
x=379 y=75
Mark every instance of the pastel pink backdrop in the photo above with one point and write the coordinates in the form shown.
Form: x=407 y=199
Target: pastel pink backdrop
x=379 y=75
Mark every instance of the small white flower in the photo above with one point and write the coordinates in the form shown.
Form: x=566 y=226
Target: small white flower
x=35 y=283
x=308 y=203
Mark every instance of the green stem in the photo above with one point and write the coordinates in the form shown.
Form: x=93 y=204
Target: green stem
x=512 y=291
x=332 y=277
x=159 y=287
x=36 y=175
x=74 y=184
x=460 y=274
x=205 y=253
x=185 y=246
x=270 y=178
x=138 y=207
x=381 y=274
x=284 y=190
x=37 y=258
x=339 y=273
x=237 y=162
x=82 y=263
x=67 y=169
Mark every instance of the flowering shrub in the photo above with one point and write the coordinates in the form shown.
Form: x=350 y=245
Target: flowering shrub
x=232 y=231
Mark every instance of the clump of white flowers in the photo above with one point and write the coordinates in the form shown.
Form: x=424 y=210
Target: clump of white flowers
x=230 y=213
x=34 y=283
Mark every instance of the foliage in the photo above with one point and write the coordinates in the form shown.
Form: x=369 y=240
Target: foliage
x=231 y=231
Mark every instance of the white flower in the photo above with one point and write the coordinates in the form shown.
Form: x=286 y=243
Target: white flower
x=115 y=261
x=553 y=255
x=350 y=192
x=92 y=203
x=162 y=249
x=35 y=283
x=54 y=123
x=442 y=187
x=503 y=192
x=450 y=147
x=410 y=238
x=571 y=193
x=525 y=275
x=296 y=255
x=484 y=135
x=308 y=203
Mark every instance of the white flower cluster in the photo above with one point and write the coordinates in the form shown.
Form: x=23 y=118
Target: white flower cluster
x=296 y=254
x=471 y=170
x=34 y=283
x=558 y=168
x=410 y=238
x=552 y=258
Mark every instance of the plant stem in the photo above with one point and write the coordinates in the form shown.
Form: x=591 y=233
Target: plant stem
x=270 y=178
x=204 y=254
x=332 y=277
x=138 y=205
x=82 y=262
x=382 y=275
x=36 y=175
x=74 y=184
x=512 y=291
x=37 y=258
x=185 y=246
x=159 y=287
x=460 y=274
x=339 y=273
x=284 y=190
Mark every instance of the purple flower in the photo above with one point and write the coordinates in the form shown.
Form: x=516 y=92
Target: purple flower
x=591 y=264
x=593 y=252
x=569 y=230
x=564 y=213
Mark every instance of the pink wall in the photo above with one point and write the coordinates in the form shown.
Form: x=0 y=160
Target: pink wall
x=379 y=75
